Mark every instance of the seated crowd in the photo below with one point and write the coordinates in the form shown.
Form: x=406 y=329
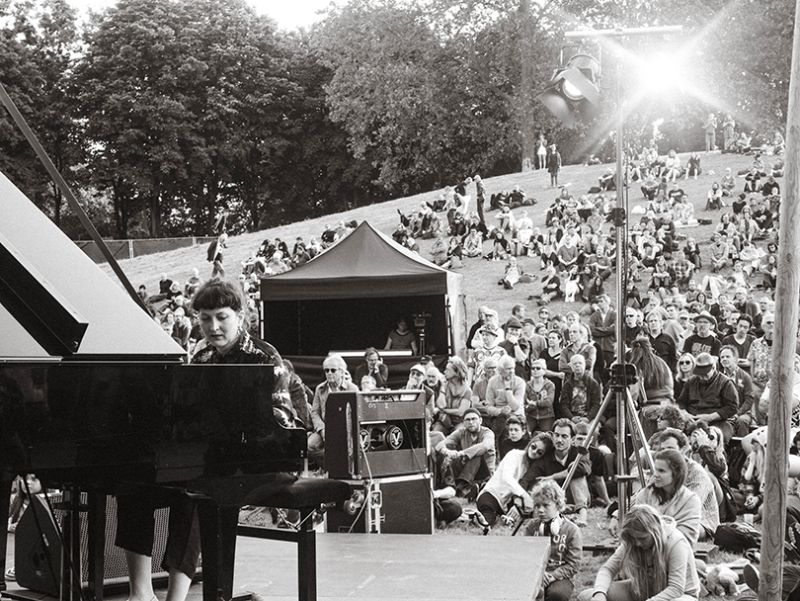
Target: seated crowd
x=519 y=412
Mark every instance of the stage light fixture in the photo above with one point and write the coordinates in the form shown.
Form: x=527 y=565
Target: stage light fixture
x=573 y=90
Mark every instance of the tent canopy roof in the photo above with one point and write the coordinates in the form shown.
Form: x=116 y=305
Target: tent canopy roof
x=366 y=263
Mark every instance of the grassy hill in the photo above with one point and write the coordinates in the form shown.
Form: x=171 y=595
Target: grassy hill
x=480 y=277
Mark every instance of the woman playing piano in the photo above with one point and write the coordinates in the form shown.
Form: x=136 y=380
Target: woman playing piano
x=221 y=308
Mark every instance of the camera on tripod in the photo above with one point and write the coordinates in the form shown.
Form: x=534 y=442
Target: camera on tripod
x=622 y=374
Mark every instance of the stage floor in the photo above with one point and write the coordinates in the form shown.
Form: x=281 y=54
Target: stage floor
x=393 y=567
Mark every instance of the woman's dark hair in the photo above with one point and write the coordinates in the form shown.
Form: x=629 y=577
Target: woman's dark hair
x=653 y=370
x=219 y=294
x=677 y=465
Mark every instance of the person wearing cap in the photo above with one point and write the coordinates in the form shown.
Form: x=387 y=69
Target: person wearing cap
x=516 y=346
x=703 y=340
x=505 y=396
x=710 y=396
x=416 y=381
x=489 y=347
x=537 y=341
x=467 y=455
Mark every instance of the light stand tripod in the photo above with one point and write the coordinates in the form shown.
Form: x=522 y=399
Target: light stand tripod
x=618 y=395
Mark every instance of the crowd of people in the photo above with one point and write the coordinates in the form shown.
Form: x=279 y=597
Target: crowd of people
x=516 y=426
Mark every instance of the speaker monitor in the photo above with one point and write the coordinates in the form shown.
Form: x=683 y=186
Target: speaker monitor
x=399 y=505
x=37 y=553
x=375 y=434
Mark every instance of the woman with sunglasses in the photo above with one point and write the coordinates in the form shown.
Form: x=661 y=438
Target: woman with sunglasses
x=685 y=371
x=495 y=499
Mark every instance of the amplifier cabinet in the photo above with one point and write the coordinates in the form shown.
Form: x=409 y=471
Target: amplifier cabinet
x=399 y=505
x=375 y=434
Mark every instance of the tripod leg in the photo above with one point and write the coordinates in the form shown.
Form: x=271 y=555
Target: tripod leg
x=593 y=427
x=639 y=430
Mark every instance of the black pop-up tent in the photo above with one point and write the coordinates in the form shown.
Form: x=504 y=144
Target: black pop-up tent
x=349 y=298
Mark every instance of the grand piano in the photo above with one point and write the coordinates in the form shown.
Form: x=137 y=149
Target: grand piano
x=96 y=397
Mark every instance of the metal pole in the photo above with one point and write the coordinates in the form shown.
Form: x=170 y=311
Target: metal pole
x=620 y=224
x=783 y=348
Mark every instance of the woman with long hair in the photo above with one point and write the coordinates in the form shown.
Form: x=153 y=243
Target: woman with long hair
x=654 y=559
x=495 y=497
x=686 y=363
x=655 y=385
x=457 y=396
x=668 y=493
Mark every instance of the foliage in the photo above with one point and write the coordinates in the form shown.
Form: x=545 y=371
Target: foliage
x=161 y=117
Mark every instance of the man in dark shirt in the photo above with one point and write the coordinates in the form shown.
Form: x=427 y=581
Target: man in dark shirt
x=663 y=345
x=703 y=341
x=632 y=327
x=556 y=463
x=710 y=396
x=741 y=339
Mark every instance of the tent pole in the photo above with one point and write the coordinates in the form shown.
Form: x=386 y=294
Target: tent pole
x=783 y=348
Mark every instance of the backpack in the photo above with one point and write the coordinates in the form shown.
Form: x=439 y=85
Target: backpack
x=736 y=537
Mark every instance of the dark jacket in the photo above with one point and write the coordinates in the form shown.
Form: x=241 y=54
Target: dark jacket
x=715 y=395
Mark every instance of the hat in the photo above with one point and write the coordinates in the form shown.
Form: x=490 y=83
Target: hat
x=418 y=367
x=704 y=363
x=529 y=320
x=513 y=322
x=489 y=329
x=471 y=410
x=708 y=317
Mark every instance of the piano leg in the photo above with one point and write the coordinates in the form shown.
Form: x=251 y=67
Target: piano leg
x=218 y=525
x=5 y=495
x=96 y=515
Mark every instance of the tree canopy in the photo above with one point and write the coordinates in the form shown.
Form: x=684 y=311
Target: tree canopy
x=164 y=113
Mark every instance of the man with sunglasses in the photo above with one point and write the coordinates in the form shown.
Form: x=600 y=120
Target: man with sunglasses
x=709 y=396
x=334 y=368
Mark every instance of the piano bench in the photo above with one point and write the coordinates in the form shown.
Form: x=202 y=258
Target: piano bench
x=304 y=495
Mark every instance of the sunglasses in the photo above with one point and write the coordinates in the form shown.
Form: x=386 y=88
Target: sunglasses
x=330 y=370
x=537 y=368
x=684 y=362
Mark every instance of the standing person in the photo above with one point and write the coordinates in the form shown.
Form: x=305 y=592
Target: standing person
x=656 y=558
x=728 y=132
x=553 y=165
x=603 y=327
x=710 y=129
x=480 y=197
x=541 y=152
x=540 y=397
x=221 y=309
x=566 y=542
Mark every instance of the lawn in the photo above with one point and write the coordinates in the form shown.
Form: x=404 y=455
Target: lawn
x=480 y=277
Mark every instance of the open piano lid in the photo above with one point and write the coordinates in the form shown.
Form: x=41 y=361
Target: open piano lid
x=115 y=326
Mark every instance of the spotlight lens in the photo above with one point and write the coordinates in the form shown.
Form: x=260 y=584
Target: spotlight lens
x=571 y=91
